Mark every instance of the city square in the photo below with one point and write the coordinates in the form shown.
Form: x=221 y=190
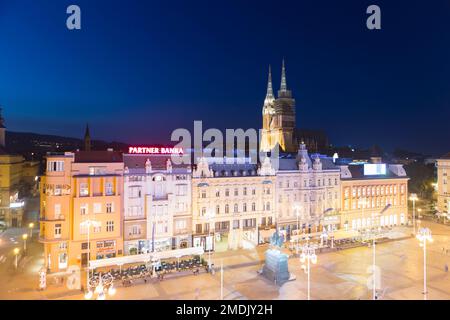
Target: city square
x=224 y=151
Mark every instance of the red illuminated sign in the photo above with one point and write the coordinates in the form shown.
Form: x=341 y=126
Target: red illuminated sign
x=155 y=150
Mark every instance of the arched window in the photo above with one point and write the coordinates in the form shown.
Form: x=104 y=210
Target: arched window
x=217 y=209
x=227 y=208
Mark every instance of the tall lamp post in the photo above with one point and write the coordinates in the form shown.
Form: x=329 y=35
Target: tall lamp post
x=87 y=224
x=209 y=219
x=16 y=253
x=24 y=237
x=308 y=255
x=297 y=213
x=424 y=236
x=413 y=197
x=31 y=226
x=374 y=233
x=362 y=202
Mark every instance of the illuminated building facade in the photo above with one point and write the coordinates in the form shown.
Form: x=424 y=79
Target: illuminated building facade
x=443 y=191
x=278 y=118
x=307 y=185
x=157 y=203
x=232 y=204
x=16 y=176
x=80 y=187
x=367 y=188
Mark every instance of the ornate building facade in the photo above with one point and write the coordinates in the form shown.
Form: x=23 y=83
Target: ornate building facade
x=307 y=193
x=443 y=190
x=157 y=204
x=232 y=203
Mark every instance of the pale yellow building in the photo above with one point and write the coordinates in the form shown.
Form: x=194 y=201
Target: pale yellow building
x=81 y=199
x=367 y=189
x=443 y=189
x=15 y=175
x=232 y=204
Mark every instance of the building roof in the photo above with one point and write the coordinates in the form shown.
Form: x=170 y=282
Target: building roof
x=98 y=156
x=357 y=172
x=136 y=163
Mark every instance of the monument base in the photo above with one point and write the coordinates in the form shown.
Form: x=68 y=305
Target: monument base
x=276 y=267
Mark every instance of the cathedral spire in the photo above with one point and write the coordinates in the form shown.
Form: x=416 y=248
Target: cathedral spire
x=87 y=139
x=269 y=96
x=284 y=92
x=283 y=87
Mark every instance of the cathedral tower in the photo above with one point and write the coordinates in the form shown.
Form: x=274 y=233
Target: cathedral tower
x=279 y=118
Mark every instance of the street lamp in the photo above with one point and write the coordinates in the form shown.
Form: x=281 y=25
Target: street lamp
x=362 y=202
x=424 y=236
x=309 y=255
x=209 y=217
x=413 y=197
x=374 y=234
x=87 y=224
x=16 y=253
x=31 y=226
x=100 y=286
x=24 y=237
x=297 y=213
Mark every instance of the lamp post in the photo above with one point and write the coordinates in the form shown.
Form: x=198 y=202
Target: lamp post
x=308 y=255
x=424 y=236
x=16 y=253
x=413 y=197
x=87 y=224
x=297 y=212
x=24 y=237
x=374 y=234
x=209 y=218
x=101 y=286
x=31 y=226
x=362 y=202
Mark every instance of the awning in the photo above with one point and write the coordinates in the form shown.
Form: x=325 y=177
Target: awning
x=344 y=234
x=145 y=258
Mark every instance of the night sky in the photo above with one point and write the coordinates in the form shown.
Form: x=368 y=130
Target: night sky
x=139 y=69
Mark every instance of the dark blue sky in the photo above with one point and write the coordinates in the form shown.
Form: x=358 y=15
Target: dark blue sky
x=139 y=69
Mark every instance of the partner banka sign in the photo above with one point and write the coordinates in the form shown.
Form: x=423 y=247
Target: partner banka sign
x=155 y=150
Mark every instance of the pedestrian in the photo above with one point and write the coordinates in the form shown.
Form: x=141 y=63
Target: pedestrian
x=443 y=249
x=446 y=268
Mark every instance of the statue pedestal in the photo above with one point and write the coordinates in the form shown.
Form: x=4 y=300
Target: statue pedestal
x=276 y=267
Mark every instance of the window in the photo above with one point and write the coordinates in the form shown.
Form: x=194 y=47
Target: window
x=217 y=193
x=84 y=190
x=109 y=226
x=109 y=208
x=62 y=245
x=136 y=230
x=217 y=209
x=253 y=191
x=55 y=166
x=203 y=211
x=135 y=192
x=253 y=206
x=235 y=224
x=97 y=208
x=198 y=228
x=84 y=209
x=58 y=230
x=236 y=192
x=57 y=211
x=109 y=189
x=227 y=192
x=227 y=208
x=244 y=191
x=97 y=229
x=244 y=207
x=236 y=208
x=180 y=225
x=268 y=206
x=203 y=194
